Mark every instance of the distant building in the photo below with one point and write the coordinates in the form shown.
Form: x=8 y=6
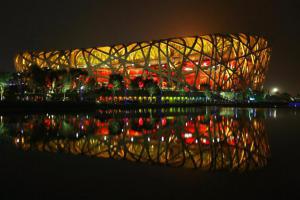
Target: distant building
x=214 y=62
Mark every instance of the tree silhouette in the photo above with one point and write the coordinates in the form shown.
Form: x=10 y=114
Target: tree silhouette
x=4 y=78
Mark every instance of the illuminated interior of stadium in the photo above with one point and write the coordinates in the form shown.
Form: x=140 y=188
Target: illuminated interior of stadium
x=218 y=61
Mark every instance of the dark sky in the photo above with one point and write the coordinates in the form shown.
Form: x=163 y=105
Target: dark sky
x=48 y=25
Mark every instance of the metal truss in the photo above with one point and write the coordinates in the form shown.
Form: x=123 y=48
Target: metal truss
x=222 y=61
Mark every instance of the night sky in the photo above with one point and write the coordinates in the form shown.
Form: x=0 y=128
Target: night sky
x=49 y=25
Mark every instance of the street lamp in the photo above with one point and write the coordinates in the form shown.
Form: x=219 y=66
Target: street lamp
x=275 y=90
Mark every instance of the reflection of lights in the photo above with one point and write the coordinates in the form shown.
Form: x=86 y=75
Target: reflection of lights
x=204 y=141
x=274 y=114
x=188 y=135
x=193 y=141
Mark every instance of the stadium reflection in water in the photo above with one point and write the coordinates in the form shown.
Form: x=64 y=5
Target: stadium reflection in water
x=206 y=138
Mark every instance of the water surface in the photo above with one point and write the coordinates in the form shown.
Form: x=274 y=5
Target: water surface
x=229 y=148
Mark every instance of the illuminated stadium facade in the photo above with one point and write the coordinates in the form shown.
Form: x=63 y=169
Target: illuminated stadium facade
x=218 y=62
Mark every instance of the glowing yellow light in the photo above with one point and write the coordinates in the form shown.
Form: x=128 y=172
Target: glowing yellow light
x=275 y=89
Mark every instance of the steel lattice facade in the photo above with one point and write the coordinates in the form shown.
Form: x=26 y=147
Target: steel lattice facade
x=218 y=61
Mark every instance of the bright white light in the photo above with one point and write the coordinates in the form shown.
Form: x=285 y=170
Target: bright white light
x=188 y=69
x=274 y=90
x=188 y=135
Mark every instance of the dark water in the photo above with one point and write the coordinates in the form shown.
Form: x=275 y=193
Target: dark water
x=158 y=153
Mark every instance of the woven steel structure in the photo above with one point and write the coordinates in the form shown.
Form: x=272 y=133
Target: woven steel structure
x=217 y=61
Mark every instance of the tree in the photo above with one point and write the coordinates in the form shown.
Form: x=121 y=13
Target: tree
x=4 y=79
x=66 y=86
x=38 y=77
x=206 y=88
x=116 y=82
x=115 y=127
x=137 y=83
x=151 y=87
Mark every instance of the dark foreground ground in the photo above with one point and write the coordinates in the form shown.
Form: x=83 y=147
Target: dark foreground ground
x=37 y=175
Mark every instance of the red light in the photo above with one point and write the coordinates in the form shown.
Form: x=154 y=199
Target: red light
x=141 y=84
x=47 y=122
x=163 y=121
x=204 y=141
x=206 y=62
x=134 y=133
x=141 y=121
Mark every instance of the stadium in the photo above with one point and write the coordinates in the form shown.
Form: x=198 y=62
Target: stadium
x=216 y=62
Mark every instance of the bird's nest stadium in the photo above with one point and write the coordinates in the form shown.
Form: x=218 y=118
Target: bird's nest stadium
x=217 y=61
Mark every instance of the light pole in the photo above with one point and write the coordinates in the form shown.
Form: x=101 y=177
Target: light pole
x=275 y=90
